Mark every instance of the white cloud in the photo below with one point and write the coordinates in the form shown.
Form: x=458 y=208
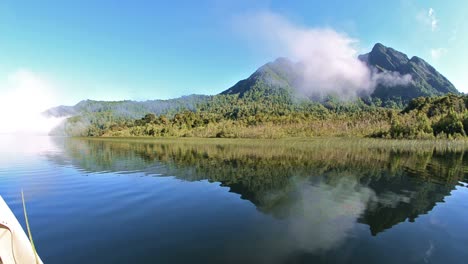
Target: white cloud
x=329 y=58
x=23 y=96
x=431 y=12
x=437 y=53
x=428 y=18
x=433 y=19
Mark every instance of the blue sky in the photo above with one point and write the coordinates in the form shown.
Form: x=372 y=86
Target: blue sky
x=113 y=50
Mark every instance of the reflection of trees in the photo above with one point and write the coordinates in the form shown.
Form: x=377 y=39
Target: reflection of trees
x=405 y=184
x=426 y=182
x=401 y=198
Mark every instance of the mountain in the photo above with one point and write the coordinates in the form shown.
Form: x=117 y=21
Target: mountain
x=127 y=108
x=283 y=74
x=269 y=91
x=279 y=74
x=281 y=77
x=426 y=81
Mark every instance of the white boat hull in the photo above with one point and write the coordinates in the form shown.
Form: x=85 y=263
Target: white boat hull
x=15 y=247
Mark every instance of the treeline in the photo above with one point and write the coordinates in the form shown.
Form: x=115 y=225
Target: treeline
x=258 y=114
x=274 y=114
x=429 y=117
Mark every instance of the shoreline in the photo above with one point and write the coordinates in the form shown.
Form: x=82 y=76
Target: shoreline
x=304 y=142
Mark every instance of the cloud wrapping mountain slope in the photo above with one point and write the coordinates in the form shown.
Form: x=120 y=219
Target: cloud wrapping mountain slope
x=426 y=81
x=396 y=77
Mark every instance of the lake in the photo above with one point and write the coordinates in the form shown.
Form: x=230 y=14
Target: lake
x=246 y=201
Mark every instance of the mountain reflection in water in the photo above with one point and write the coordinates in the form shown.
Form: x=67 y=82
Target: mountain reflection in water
x=327 y=187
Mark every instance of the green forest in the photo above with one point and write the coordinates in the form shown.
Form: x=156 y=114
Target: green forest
x=273 y=114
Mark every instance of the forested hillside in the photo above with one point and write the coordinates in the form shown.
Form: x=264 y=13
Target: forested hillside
x=127 y=108
x=234 y=117
x=268 y=105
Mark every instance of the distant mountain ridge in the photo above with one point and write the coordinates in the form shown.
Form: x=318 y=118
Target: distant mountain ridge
x=127 y=108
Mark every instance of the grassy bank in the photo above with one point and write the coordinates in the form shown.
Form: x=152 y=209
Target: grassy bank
x=316 y=143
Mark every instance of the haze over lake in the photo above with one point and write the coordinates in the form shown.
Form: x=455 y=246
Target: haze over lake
x=215 y=201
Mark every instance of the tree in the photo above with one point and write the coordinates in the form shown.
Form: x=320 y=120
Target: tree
x=149 y=118
x=450 y=125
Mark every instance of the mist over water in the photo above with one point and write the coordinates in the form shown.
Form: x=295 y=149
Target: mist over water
x=24 y=95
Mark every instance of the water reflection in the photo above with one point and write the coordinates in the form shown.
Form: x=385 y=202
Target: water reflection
x=318 y=197
x=328 y=188
x=331 y=211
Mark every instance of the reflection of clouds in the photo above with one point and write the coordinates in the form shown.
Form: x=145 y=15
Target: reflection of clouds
x=429 y=252
x=311 y=216
x=21 y=163
x=19 y=151
x=321 y=215
x=24 y=144
x=391 y=199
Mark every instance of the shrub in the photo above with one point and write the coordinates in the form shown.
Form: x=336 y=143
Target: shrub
x=450 y=125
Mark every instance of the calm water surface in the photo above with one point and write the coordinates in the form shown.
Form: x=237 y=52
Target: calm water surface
x=101 y=201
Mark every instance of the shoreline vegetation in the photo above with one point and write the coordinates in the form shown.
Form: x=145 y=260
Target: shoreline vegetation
x=275 y=116
x=302 y=143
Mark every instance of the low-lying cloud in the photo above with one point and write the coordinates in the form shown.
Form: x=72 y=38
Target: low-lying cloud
x=329 y=58
x=24 y=95
x=389 y=78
